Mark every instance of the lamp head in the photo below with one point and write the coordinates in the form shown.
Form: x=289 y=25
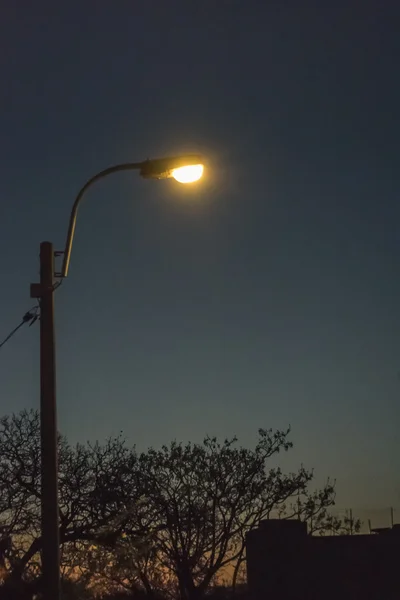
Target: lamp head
x=185 y=169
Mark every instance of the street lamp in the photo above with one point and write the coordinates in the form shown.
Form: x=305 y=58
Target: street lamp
x=185 y=169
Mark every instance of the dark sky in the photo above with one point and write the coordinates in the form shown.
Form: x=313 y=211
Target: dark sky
x=266 y=295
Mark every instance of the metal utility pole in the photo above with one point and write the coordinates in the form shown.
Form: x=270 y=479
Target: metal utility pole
x=44 y=291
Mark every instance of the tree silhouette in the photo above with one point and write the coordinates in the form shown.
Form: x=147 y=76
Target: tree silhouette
x=205 y=497
x=168 y=523
x=97 y=490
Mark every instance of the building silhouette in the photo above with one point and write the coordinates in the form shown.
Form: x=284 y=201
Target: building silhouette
x=284 y=562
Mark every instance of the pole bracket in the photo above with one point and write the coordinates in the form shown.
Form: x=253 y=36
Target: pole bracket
x=57 y=253
x=38 y=290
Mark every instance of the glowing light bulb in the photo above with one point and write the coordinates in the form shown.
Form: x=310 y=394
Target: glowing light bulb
x=188 y=174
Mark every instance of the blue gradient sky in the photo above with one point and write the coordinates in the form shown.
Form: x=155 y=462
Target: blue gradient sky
x=267 y=295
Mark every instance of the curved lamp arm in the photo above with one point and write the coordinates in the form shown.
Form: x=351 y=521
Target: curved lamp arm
x=74 y=211
x=159 y=168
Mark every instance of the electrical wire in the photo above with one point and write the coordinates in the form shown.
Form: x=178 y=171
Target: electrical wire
x=29 y=317
x=57 y=284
